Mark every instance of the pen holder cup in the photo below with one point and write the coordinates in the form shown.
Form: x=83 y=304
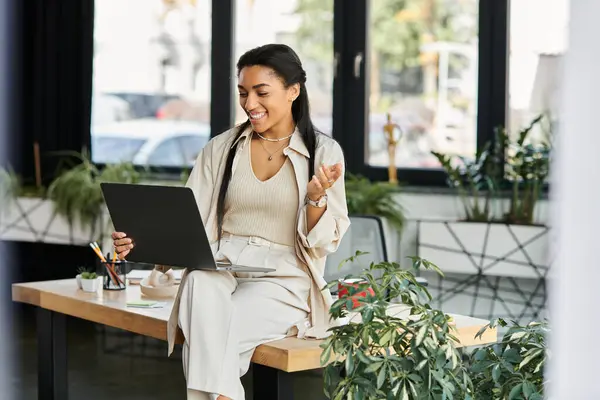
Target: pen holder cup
x=114 y=275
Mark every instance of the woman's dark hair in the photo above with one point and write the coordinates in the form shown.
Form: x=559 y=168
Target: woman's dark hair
x=286 y=64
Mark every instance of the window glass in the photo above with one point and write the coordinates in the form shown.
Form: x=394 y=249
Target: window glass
x=537 y=48
x=109 y=150
x=423 y=57
x=191 y=145
x=151 y=65
x=167 y=154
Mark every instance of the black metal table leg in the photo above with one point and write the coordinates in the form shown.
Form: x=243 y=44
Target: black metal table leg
x=52 y=355
x=272 y=384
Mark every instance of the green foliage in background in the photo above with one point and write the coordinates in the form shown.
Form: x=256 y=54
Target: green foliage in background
x=9 y=189
x=516 y=164
x=527 y=166
x=397 y=28
x=76 y=191
x=374 y=198
x=471 y=180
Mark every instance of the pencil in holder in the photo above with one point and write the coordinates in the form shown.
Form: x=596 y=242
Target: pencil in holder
x=114 y=275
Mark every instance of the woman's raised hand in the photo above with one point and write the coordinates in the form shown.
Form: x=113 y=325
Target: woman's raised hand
x=324 y=178
x=122 y=243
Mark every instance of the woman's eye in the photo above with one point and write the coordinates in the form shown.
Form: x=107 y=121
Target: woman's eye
x=263 y=94
x=243 y=94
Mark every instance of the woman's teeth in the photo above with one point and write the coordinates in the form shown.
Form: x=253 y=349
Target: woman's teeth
x=257 y=116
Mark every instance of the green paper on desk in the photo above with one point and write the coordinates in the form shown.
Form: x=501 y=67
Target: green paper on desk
x=145 y=304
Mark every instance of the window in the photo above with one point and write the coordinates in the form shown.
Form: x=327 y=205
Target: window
x=151 y=67
x=537 y=47
x=436 y=67
x=192 y=145
x=307 y=27
x=167 y=154
x=110 y=150
x=423 y=73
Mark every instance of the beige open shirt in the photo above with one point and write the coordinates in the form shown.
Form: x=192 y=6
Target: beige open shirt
x=311 y=247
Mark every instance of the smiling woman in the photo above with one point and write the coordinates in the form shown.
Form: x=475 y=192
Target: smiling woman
x=271 y=195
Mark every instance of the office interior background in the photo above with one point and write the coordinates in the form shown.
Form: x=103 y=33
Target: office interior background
x=149 y=82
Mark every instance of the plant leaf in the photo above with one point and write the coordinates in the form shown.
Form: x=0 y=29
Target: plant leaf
x=350 y=363
x=421 y=334
x=496 y=372
x=530 y=357
x=516 y=391
x=381 y=377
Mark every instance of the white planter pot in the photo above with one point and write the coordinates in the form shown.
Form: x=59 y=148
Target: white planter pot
x=90 y=285
x=33 y=220
x=493 y=249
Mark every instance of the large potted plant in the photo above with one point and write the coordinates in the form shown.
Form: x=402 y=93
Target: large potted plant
x=499 y=191
x=390 y=356
x=413 y=355
x=70 y=211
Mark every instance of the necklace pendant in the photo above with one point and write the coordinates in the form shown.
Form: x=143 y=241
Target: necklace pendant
x=270 y=158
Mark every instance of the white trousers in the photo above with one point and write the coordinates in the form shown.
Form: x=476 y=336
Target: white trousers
x=224 y=316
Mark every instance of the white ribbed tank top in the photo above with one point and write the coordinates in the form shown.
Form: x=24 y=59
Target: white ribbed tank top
x=267 y=209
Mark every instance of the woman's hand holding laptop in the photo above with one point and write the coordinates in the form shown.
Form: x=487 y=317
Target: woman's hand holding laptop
x=122 y=243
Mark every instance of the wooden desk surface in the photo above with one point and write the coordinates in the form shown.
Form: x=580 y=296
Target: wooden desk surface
x=109 y=308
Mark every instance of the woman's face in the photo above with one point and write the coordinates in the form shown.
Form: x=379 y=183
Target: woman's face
x=265 y=99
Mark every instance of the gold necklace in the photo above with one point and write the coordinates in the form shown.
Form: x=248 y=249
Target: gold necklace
x=268 y=152
x=274 y=140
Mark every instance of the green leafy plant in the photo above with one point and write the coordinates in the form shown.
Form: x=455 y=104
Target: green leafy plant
x=379 y=355
x=9 y=189
x=76 y=191
x=475 y=187
x=184 y=175
x=374 y=198
x=514 y=368
x=89 y=275
x=386 y=356
x=518 y=166
x=527 y=168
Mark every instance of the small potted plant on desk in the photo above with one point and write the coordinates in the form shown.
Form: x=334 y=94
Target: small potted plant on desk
x=87 y=280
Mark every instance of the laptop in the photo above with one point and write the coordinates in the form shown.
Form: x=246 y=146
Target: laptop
x=165 y=224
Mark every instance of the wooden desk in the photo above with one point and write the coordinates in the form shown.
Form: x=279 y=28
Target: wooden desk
x=57 y=299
